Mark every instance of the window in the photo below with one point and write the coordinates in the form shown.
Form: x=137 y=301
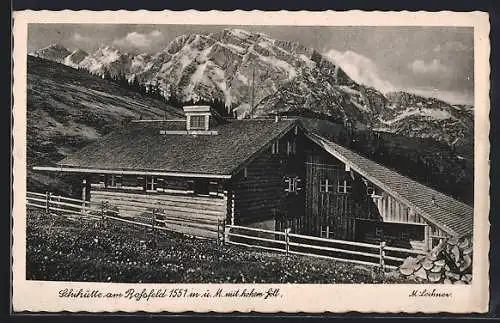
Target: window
x=197 y=122
x=276 y=147
x=405 y=235
x=292 y=184
x=200 y=186
x=379 y=232
x=324 y=231
x=344 y=186
x=160 y=187
x=114 y=181
x=325 y=186
x=102 y=180
x=213 y=187
x=131 y=182
x=151 y=183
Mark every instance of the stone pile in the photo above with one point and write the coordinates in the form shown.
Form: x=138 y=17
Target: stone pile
x=450 y=262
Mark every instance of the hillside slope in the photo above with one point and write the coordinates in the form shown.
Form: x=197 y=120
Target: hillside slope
x=67 y=109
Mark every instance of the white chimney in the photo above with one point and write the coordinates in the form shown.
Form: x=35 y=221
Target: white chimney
x=197 y=117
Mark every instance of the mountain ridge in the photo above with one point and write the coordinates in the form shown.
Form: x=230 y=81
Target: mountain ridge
x=254 y=75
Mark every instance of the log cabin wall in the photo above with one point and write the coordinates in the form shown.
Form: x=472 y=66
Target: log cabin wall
x=182 y=209
x=260 y=190
x=333 y=198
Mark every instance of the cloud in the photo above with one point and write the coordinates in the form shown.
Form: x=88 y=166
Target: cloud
x=451 y=46
x=420 y=67
x=138 y=40
x=360 y=68
x=80 y=39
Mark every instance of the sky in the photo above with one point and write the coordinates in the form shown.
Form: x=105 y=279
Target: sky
x=431 y=61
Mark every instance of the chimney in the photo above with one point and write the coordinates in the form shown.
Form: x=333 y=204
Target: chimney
x=197 y=117
x=276 y=117
x=433 y=200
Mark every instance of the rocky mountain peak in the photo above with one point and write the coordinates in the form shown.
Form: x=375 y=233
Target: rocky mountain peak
x=54 y=52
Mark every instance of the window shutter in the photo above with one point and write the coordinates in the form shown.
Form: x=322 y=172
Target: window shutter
x=213 y=188
x=102 y=180
x=119 y=180
x=299 y=184
x=287 y=184
x=161 y=184
x=141 y=182
x=190 y=184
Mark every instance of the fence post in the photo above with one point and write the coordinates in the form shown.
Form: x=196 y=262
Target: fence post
x=287 y=240
x=84 y=195
x=47 y=202
x=221 y=231
x=382 y=255
x=226 y=231
x=103 y=210
x=153 y=223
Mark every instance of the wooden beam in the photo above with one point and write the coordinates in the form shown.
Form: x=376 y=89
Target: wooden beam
x=128 y=172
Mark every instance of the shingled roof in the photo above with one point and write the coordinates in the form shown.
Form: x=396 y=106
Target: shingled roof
x=140 y=146
x=448 y=214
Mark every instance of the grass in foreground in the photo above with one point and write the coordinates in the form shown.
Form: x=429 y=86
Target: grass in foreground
x=69 y=250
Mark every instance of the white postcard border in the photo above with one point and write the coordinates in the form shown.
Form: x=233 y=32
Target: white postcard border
x=312 y=298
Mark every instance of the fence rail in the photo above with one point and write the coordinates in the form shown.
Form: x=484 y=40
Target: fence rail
x=378 y=255
x=279 y=241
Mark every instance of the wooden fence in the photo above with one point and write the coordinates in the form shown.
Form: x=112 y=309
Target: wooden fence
x=285 y=241
x=152 y=215
x=280 y=241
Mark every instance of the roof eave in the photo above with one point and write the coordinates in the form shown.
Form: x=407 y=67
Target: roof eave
x=69 y=169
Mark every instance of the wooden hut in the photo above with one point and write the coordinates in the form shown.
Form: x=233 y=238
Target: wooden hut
x=269 y=173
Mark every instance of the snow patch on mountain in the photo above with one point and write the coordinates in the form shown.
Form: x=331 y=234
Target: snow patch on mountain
x=361 y=107
x=434 y=114
x=240 y=33
x=242 y=78
x=101 y=59
x=75 y=58
x=235 y=48
x=292 y=72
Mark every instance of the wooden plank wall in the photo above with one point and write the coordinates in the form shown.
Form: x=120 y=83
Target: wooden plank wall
x=333 y=209
x=393 y=210
x=189 y=214
x=261 y=194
